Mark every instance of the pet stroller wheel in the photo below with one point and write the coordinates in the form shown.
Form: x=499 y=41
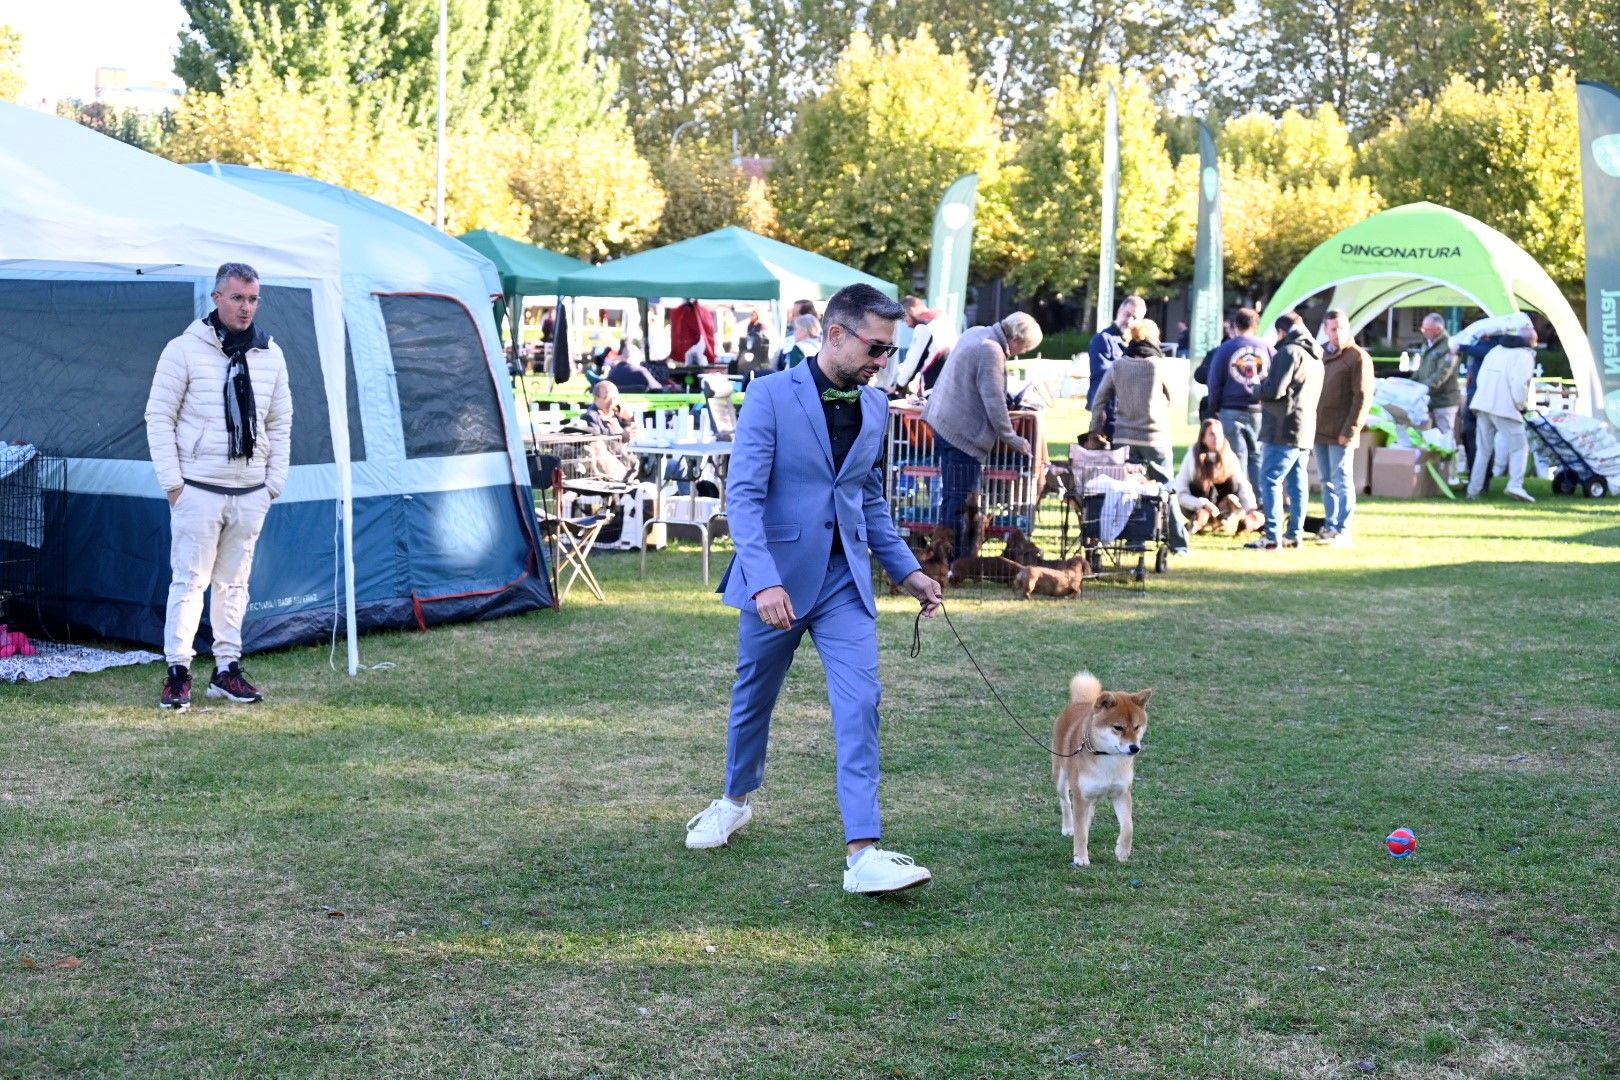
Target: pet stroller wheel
x=1161 y=561
x=1563 y=482
x=1597 y=487
x=1140 y=573
x=1096 y=561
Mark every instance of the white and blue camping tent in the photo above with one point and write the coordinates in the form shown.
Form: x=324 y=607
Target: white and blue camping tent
x=107 y=252
x=443 y=512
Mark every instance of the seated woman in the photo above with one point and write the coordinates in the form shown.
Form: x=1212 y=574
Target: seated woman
x=1213 y=488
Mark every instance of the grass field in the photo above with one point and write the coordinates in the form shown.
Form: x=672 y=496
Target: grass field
x=470 y=863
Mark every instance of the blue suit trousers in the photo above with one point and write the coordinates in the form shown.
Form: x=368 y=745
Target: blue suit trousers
x=845 y=634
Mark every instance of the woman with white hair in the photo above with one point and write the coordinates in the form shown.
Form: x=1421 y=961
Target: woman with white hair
x=968 y=410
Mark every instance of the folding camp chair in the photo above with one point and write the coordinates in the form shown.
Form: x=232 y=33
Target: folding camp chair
x=572 y=534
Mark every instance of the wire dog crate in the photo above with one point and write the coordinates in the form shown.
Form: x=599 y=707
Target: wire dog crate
x=1009 y=486
x=33 y=502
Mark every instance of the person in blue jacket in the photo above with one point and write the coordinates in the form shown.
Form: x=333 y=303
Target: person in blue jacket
x=1108 y=345
x=807 y=514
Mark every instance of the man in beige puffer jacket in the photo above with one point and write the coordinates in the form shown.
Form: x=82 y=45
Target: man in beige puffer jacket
x=219 y=427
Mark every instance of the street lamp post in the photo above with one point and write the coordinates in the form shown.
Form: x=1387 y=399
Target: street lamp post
x=438 y=162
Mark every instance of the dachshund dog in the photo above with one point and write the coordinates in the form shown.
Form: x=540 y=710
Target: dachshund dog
x=984 y=568
x=1038 y=579
x=1021 y=549
x=934 y=557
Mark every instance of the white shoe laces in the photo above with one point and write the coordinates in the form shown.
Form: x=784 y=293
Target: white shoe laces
x=709 y=815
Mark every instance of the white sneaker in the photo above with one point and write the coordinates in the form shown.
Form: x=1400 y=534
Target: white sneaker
x=1520 y=494
x=714 y=826
x=879 y=871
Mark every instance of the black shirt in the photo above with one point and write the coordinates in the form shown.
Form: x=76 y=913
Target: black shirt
x=843 y=418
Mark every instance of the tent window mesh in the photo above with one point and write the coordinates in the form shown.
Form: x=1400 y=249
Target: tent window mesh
x=447 y=398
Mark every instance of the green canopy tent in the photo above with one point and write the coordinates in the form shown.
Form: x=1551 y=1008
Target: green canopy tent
x=525 y=269
x=1424 y=255
x=727 y=264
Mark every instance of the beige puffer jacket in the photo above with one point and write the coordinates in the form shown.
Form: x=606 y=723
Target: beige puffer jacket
x=185 y=415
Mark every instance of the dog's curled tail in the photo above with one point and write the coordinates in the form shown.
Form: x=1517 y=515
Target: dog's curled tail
x=1084 y=688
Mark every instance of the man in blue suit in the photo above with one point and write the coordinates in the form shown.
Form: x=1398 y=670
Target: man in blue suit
x=807 y=513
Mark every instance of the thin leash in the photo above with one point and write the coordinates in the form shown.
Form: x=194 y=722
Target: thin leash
x=916 y=651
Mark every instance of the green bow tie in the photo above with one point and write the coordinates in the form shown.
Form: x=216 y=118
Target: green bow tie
x=834 y=394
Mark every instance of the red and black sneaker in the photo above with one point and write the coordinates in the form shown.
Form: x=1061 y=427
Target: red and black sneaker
x=176 y=689
x=231 y=682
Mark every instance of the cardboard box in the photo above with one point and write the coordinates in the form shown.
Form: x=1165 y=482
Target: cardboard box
x=1399 y=473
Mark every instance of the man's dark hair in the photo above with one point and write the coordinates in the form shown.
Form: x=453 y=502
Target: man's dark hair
x=1287 y=321
x=1245 y=320
x=850 y=306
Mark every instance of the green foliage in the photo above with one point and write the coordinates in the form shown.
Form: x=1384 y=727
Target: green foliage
x=11 y=77
x=1056 y=196
x=1507 y=156
x=274 y=123
x=864 y=168
x=704 y=191
x=723 y=66
x=592 y=194
x=525 y=63
x=142 y=129
x=1286 y=186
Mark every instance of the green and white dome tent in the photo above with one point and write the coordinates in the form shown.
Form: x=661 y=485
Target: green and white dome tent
x=1424 y=255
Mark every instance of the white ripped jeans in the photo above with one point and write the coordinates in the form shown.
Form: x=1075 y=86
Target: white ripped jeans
x=212 y=545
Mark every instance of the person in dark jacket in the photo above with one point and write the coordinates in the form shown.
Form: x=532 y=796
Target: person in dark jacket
x=1107 y=346
x=1201 y=372
x=1437 y=369
x=1347 y=394
x=1288 y=398
x=1236 y=369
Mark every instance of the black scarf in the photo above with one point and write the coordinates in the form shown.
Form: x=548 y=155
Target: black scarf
x=241 y=412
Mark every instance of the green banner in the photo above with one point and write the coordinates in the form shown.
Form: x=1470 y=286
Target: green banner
x=1110 y=214
x=1599 y=108
x=948 y=258
x=1209 y=277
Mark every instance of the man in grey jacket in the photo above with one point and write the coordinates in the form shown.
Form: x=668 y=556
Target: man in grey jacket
x=219 y=428
x=1437 y=369
x=968 y=410
x=1288 y=395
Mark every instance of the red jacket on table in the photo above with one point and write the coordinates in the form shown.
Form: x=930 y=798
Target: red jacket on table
x=687 y=324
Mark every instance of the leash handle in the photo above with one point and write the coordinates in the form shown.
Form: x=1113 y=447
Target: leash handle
x=916 y=651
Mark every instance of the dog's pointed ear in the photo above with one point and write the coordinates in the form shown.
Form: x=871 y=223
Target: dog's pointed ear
x=1142 y=698
x=1105 y=700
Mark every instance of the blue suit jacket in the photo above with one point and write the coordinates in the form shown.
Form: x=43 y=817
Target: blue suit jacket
x=783 y=501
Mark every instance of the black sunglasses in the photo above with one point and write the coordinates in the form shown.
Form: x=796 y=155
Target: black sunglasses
x=876 y=350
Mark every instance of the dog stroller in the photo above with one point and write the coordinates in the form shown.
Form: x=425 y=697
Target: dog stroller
x=1115 y=516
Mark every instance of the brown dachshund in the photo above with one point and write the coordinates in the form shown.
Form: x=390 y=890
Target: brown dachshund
x=1021 y=549
x=1038 y=579
x=984 y=568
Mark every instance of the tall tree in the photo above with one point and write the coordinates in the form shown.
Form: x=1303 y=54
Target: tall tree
x=1056 y=195
x=1287 y=184
x=592 y=194
x=704 y=190
x=860 y=175
x=273 y=123
x=11 y=78
x=1507 y=156
x=521 y=62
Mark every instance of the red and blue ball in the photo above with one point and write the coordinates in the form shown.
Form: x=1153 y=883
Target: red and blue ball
x=1401 y=843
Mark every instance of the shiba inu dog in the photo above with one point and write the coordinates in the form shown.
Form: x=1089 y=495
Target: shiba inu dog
x=1101 y=732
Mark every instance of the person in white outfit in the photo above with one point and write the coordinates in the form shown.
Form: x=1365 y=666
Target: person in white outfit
x=219 y=429
x=1501 y=394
